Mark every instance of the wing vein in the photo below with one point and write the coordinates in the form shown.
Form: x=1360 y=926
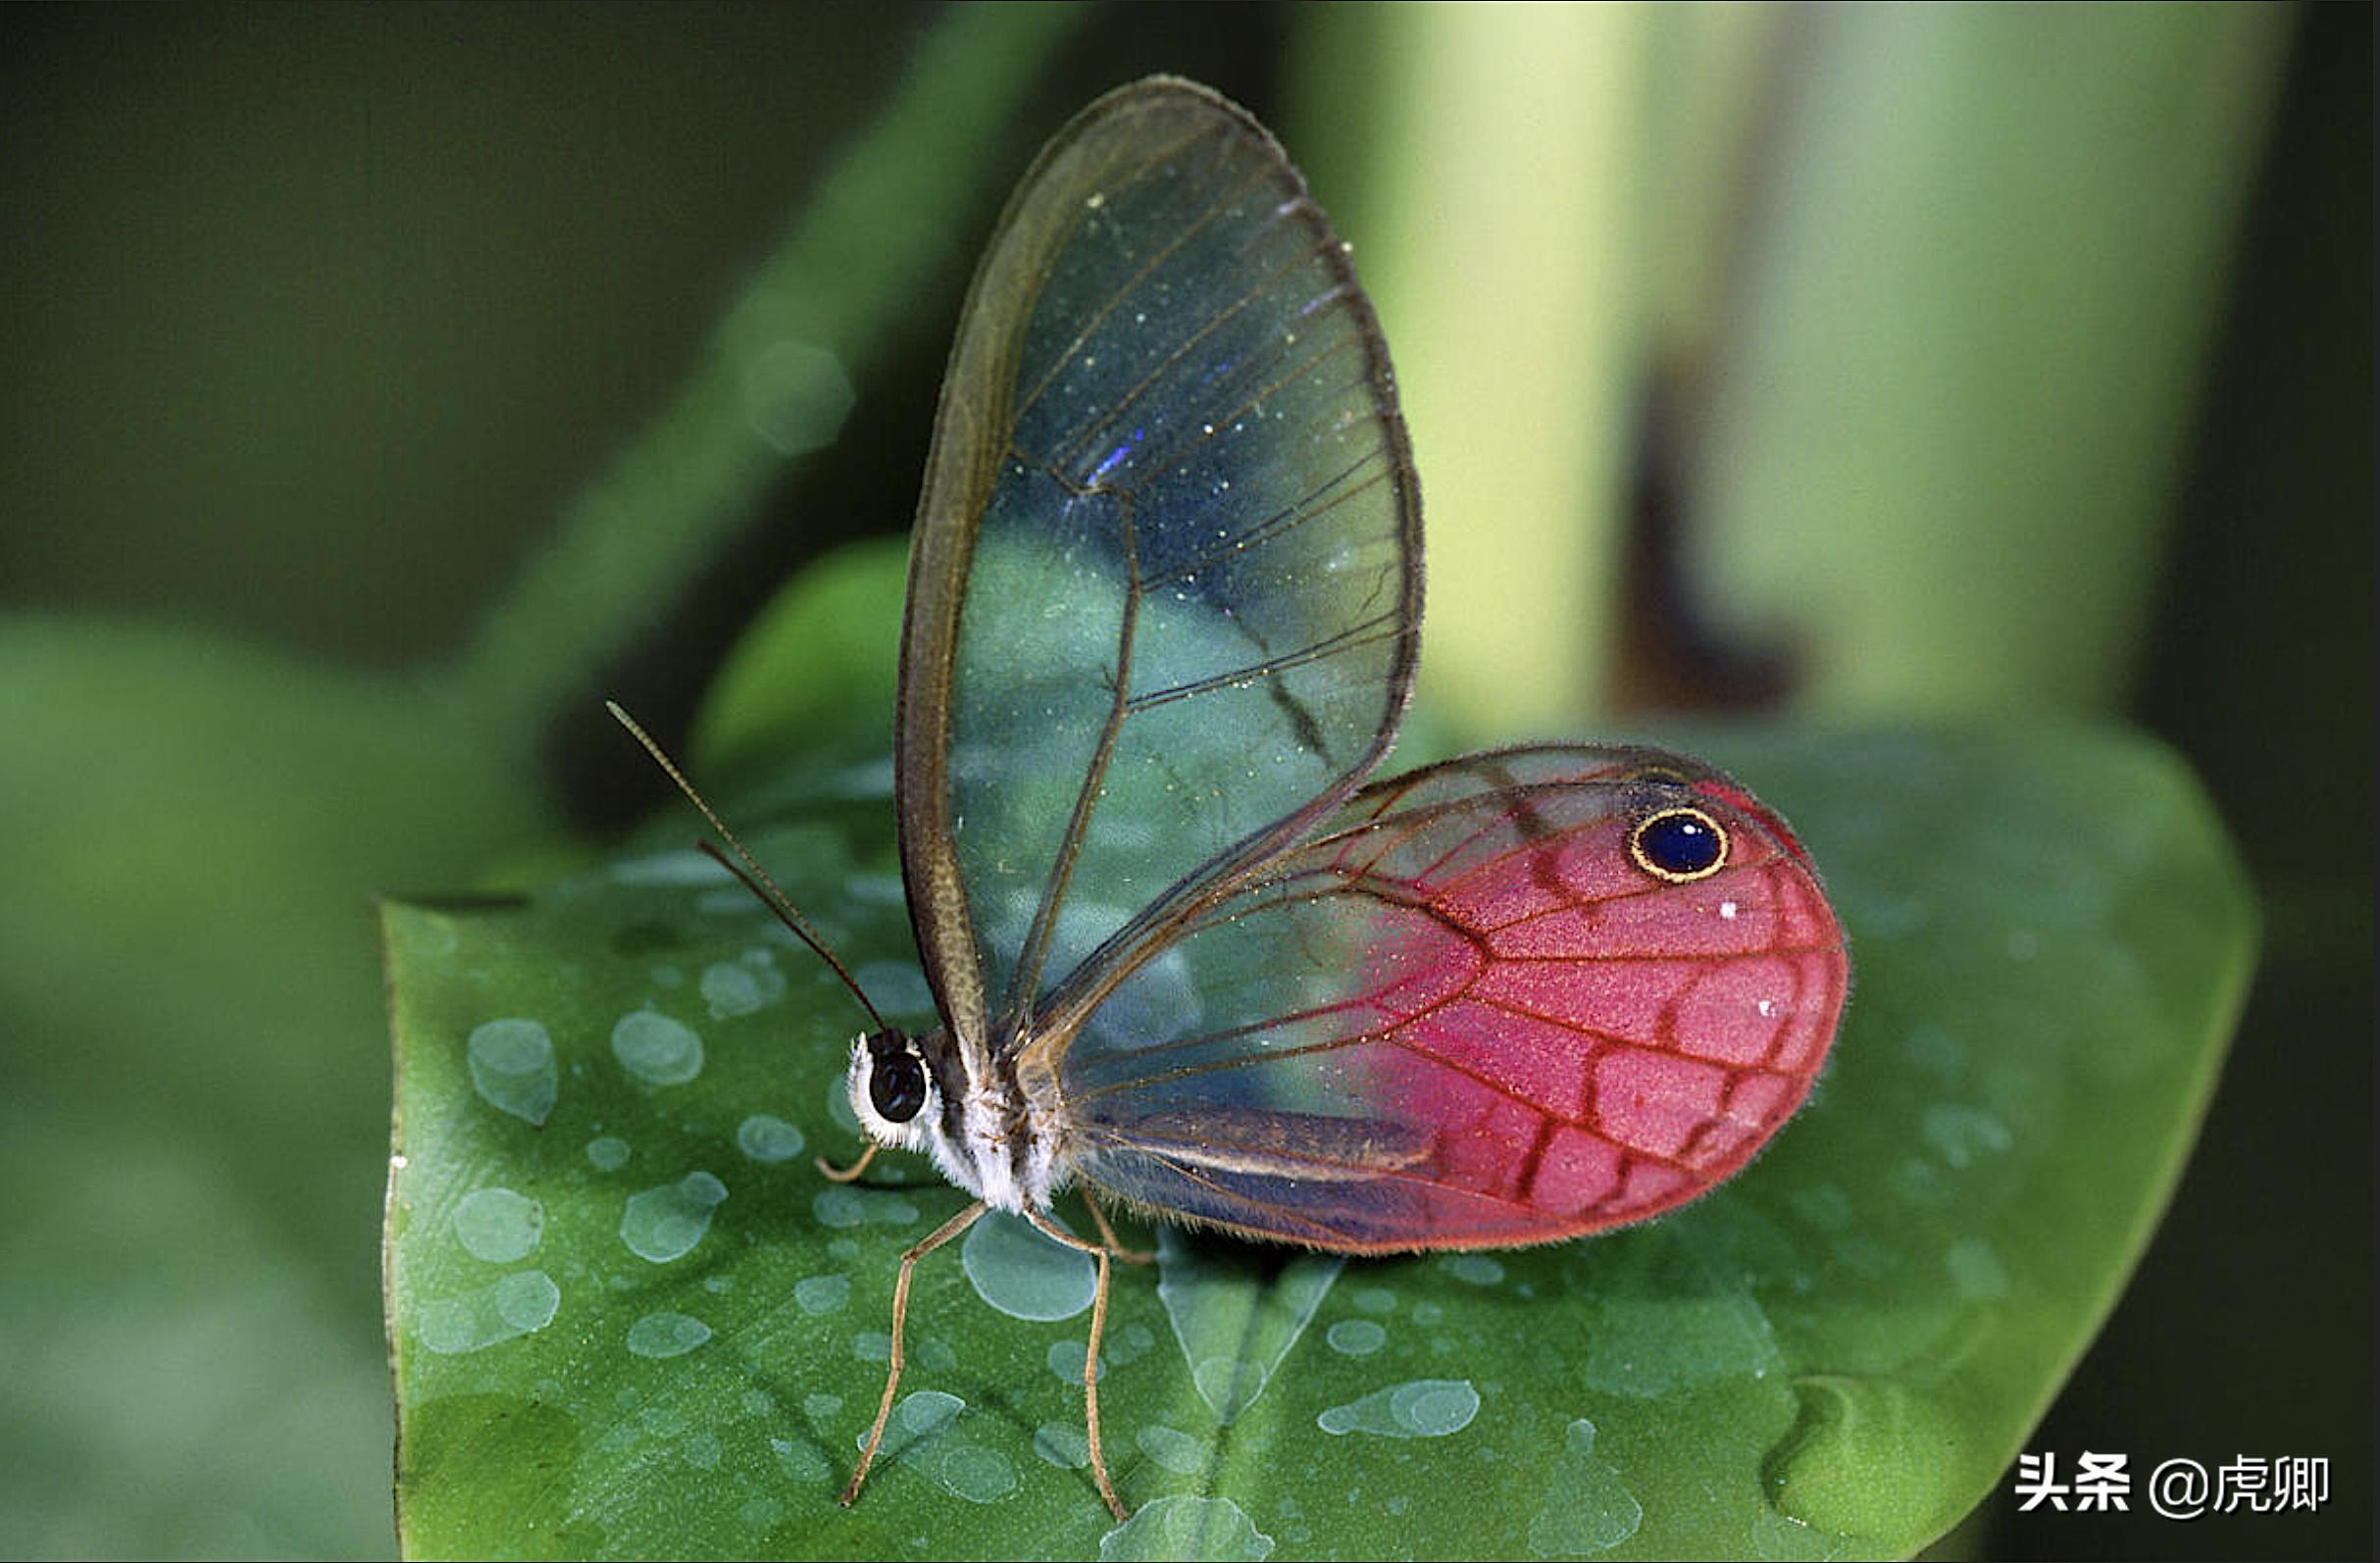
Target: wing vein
x=1277 y=350
x=1025 y=977
x=1354 y=637
x=1288 y=519
x=1125 y=289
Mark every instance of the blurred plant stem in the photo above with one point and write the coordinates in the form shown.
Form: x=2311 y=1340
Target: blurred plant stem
x=1924 y=294
x=1969 y=342
x=1486 y=183
x=776 y=377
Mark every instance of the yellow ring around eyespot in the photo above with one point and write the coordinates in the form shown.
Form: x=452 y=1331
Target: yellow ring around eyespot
x=1635 y=845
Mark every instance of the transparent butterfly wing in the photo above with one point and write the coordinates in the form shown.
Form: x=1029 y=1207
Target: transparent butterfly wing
x=1466 y=1017
x=1165 y=579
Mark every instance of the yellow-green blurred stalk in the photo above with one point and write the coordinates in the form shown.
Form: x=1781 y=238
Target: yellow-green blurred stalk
x=1938 y=285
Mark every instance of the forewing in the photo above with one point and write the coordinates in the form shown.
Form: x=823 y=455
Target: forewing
x=1165 y=578
x=1469 y=1017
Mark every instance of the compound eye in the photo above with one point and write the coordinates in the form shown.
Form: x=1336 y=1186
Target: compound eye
x=896 y=1085
x=1679 y=845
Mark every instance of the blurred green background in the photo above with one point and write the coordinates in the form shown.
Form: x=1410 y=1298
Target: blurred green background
x=1888 y=363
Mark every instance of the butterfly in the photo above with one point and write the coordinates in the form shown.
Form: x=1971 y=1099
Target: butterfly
x=1163 y=613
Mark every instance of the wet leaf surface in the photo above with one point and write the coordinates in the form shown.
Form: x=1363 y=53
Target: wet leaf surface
x=629 y=1316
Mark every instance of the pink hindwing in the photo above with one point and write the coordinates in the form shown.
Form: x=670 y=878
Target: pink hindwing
x=1517 y=998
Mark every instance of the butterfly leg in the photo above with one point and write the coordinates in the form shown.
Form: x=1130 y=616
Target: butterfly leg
x=1115 y=1245
x=1090 y=1355
x=901 y=1318
x=844 y=1175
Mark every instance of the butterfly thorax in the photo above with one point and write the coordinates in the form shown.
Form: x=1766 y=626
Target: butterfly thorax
x=920 y=1094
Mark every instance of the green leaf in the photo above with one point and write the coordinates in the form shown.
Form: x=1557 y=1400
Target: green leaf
x=628 y=1314
x=192 y=1089
x=820 y=659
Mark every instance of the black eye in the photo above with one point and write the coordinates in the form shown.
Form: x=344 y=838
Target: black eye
x=896 y=1085
x=1679 y=844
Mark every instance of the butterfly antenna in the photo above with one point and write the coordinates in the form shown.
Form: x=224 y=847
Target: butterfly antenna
x=751 y=876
